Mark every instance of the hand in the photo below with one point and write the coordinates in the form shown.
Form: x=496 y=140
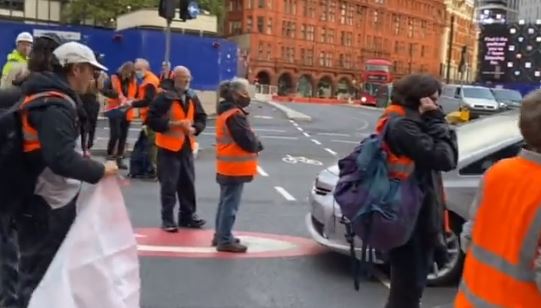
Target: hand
x=427 y=104
x=111 y=168
x=191 y=131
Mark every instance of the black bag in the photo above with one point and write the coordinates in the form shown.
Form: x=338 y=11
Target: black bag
x=140 y=164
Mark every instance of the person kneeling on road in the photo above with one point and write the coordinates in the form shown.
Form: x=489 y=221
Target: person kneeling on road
x=49 y=126
x=237 y=148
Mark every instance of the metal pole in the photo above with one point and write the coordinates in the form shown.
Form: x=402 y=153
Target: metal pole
x=450 y=47
x=167 y=56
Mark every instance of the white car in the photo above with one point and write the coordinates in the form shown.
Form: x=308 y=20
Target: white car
x=479 y=100
x=481 y=143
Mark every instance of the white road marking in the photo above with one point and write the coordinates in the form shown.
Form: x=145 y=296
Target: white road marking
x=295 y=124
x=364 y=125
x=331 y=151
x=255 y=244
x=345 y=141
x=261 y=171
x=316 y=142
x=279 y=137
x=306 y=134
x=270 y=130
x=263 y=117
x=291 y=121
x=133 y=129
x=300 y=129
x=284 y=193
x=208 y=134
x=139 y=235
x=334 y=134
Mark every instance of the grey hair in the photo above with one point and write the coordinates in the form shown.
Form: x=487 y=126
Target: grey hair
x=184 y=69
x=143 y=62
x=228 y=87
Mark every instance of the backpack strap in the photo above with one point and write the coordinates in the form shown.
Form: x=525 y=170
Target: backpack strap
x=42 y=98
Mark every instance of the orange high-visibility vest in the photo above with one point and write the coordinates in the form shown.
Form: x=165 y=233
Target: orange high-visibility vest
x=30 y=135
x=400 y=167
x=150 y=78
x=173 y=139
x=498 y=271
x=232 y=160
x=132 y=93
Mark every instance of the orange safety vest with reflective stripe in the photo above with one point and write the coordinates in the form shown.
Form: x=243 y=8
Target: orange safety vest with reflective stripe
x=132 y=93
x=30 y=134
x=173 y=139
x=400 y=167
x=498 y=271
x=150 y=78
x=232 y=160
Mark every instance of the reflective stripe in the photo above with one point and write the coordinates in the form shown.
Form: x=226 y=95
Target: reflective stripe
x=29 y=137
x=473 y=299
x=406 y=169
x=236 y=159
x=518 y=272
x=528 y=250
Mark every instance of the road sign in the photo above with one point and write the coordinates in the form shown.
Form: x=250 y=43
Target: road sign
x=188 y=243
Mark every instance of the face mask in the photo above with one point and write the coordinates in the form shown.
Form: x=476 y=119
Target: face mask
x=139 y=74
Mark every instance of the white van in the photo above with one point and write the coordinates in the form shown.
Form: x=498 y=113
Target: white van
x=479 y=100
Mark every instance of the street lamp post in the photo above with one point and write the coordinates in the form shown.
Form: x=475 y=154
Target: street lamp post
x=450 y=48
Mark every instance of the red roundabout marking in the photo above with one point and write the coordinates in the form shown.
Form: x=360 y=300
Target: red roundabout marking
x=187 y=243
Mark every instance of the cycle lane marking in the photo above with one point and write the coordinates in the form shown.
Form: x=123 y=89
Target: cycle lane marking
x=282 y=191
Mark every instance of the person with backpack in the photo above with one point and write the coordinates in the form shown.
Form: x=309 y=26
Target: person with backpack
x=55 y=168
x=418 y=133
x=237 y=148
x=502 y=236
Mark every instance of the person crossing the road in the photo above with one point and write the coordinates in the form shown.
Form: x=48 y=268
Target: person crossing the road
x=237 y=148
x=503 y=235
x=177 y=116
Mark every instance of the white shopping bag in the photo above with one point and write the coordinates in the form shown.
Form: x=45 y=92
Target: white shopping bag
x=97 y=264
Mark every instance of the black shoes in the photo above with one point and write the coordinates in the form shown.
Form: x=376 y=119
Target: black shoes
x=193 y=223
x=214 y=242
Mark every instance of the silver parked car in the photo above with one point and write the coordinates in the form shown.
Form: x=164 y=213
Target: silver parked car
x=481 y=143
x=479 y=100
x=507 y=98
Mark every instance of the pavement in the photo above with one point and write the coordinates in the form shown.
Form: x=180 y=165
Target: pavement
x=181 y=270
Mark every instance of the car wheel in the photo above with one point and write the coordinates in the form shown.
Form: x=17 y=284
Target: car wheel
x=452 y=270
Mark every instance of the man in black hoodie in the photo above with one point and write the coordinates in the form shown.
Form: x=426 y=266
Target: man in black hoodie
x=50 y=130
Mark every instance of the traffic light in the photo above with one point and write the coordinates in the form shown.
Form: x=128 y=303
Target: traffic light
x=167 y=9
x=188 y=9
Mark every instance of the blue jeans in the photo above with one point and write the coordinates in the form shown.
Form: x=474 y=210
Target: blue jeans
x=228 y=206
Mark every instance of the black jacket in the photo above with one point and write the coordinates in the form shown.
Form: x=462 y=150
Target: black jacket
x=58 y=130
x=431 y=143
x=243 y=136
x=150 y=93
x=9 y=97
x=158 y=119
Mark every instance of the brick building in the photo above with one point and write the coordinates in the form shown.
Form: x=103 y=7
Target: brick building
x=312 y=47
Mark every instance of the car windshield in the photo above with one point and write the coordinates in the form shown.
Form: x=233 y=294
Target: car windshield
x=379 y=68
x=510 y=95
x=478 y=93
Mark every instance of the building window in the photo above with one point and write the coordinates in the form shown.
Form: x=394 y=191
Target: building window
x=260 y=24
x=396 y=22
x=411 y=27
x=290 y=7
x=249 y=24
x=269 y=51
x=303 y=32
x=324 y=8
x=250 y=4
x=361 y=12
x=322 y=58
x=328 y=59
x=261 y=4
x=269 y=26
x=346 y=39
x=261 y=50
x=312 y=8
x=323 y=35
x=332 y=11
x=349 y=14
x=423 y=50
x=235 y=27
x=310 y=33
x=343 y=9
x=330 y=36
x=288 y=29
x=309 y=57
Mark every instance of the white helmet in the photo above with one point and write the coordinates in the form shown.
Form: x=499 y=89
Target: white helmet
x=24 y=37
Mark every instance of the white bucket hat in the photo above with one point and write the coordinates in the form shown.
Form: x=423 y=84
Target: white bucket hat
x=74 y=53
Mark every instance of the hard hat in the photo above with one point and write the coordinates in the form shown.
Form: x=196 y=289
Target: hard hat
x=24 y=37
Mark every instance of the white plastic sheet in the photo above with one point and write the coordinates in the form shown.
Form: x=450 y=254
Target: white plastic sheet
x=97 y=264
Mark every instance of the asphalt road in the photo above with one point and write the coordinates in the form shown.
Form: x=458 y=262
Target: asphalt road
x=275 y=203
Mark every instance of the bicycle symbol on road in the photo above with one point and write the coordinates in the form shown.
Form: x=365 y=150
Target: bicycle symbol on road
x=301 y=159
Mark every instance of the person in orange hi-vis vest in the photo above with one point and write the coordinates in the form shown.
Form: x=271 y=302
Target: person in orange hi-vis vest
x=503 y=235
x=177 y=116
x=149 y=86
x=237 y=148
x=166 y=76
x=121 y=90
x=420 y=134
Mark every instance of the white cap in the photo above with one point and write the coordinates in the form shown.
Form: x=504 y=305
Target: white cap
x=24 y=37
x=73 y=53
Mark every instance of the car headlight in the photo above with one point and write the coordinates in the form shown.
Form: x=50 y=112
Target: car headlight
x=363 y=99
x=503 y=105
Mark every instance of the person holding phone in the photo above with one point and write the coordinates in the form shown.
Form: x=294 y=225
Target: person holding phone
x=422 y=134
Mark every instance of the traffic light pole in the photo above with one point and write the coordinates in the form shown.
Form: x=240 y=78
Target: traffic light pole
x=167 y=56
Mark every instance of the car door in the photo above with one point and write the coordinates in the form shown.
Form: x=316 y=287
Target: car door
x=461 y=185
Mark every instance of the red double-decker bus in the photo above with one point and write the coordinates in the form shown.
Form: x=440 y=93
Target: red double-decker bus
x=376 y=73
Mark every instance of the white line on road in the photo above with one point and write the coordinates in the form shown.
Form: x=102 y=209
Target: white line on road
x=261 y=171
x=334 y=134
x=316 y=142
x=300 y=129
x=306 y=134
x=295 y=124
x=270 y=130
x=331 y=151
x=284 y=193
x=345 y=141
x=291 y=121
x=263 y=117
x=279 y=137
x=208 y=134
x=364 y=125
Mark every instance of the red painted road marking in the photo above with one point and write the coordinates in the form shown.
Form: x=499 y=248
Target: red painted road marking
x=153 y=242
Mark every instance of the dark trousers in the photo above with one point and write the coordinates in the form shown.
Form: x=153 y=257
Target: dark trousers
x=92 y=109
x=118 y=134
x=230 y=196
x=9 y=264
x=176 y=175
x=41 y=231
x=410 y=265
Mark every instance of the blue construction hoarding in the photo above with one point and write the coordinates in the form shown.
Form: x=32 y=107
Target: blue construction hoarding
x=210 y=59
